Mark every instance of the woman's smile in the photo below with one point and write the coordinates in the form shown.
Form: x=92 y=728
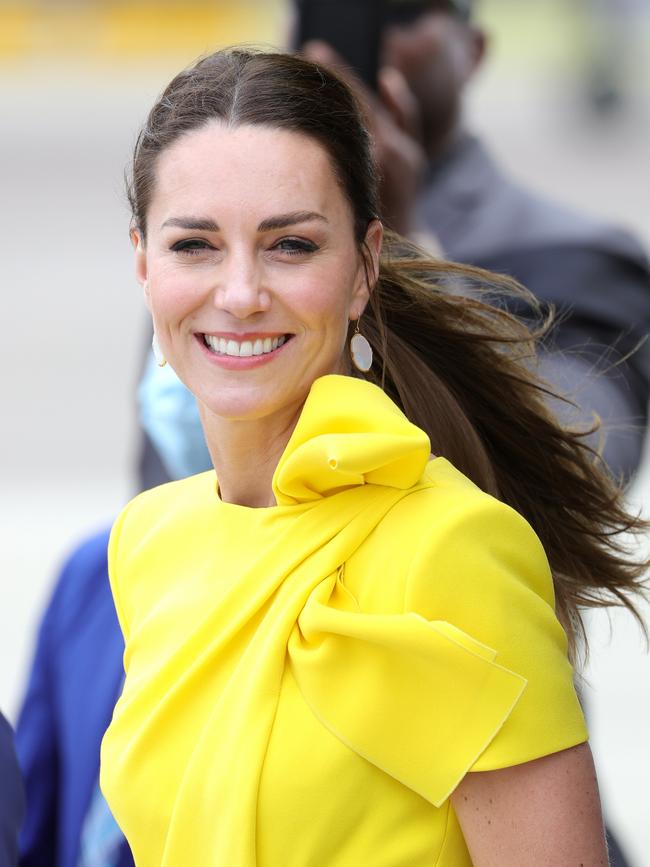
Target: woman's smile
x=242 y=352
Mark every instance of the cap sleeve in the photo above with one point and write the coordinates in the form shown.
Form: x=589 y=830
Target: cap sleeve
x=484 y=571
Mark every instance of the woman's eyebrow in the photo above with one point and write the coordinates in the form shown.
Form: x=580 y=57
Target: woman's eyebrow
x=281 y=221
x=201 y=224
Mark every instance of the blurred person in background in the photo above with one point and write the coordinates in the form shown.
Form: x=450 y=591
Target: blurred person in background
x=440 y=180
x=11 y=797
x=77 y=670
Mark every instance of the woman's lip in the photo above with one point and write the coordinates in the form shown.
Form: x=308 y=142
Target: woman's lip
x=237 y=362
x=249 y=335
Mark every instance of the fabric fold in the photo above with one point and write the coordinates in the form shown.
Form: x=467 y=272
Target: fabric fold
x=426 y=685
x=364 y=439
x=264 y=603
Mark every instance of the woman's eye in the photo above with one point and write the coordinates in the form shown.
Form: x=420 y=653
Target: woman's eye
x=190 y=245
x=295 y=246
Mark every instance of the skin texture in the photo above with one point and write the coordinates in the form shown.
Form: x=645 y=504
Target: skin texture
x=544 y=813
x=306 y=279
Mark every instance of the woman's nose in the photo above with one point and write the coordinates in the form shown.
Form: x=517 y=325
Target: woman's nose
x=241 y=290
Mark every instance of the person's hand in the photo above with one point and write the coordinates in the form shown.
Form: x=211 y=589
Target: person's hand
x=394 y=121
x=401 y=157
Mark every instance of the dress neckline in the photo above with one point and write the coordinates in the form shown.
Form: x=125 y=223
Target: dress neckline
x=349 y=433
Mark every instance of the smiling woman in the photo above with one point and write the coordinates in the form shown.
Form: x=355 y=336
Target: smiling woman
x=260 y=281
x=341 y=650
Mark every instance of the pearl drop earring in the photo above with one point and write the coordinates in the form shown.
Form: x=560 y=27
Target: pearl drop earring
x=360 y=350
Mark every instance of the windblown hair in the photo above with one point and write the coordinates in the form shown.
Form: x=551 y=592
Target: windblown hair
x=446 y=350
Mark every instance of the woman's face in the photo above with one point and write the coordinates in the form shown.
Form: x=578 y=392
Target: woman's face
x=251 y=269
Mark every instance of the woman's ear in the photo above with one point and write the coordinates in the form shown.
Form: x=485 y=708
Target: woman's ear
x=140 y=262
x=372 y=248
x=369 y=268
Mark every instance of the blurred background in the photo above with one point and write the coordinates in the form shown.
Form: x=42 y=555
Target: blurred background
x=564 y=102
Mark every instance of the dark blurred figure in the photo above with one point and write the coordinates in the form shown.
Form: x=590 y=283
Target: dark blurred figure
x=441 y=181
x=77 y=673
x=11 y=797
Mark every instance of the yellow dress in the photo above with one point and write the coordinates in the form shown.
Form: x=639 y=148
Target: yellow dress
x=306 y=684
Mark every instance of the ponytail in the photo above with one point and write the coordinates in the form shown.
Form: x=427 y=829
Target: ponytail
x=465 y=370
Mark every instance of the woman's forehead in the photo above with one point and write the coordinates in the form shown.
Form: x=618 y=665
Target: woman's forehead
x=243 y=166
x=223 y=148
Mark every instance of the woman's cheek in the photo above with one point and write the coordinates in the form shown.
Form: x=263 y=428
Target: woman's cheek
x=327 y=295
x=175 y=293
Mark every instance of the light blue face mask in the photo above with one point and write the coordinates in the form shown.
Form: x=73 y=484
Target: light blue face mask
x=169 y=415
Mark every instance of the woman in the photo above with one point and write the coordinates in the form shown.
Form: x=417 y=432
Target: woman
x=341 y=650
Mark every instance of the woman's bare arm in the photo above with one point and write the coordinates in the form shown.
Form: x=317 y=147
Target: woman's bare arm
x=544 y=813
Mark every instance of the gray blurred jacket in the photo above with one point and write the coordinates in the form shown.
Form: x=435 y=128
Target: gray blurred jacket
x=595 y=274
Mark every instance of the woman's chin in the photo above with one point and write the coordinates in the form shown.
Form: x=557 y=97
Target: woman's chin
x=250 y=403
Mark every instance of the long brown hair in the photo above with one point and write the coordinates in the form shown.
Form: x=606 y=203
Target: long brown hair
x=465 y=370
x=459 y=365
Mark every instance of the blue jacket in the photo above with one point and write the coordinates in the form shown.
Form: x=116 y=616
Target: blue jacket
x=11 y=797
x=74 y=683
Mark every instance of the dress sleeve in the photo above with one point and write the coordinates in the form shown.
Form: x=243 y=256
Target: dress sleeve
x=483 y=570
x=469 y=673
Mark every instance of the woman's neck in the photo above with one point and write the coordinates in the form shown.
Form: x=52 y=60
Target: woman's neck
x=245 y=455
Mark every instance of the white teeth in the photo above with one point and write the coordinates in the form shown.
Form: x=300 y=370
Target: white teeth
x=246 y=348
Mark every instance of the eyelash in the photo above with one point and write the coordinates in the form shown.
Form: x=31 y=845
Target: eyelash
x=193 y=246
x=300 y=247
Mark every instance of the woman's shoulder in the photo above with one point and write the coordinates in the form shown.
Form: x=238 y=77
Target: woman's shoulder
x=470 y=539
x=473 y=568
x=145 y=535
x=448 y=539
x=447 y=504
x=161 y=513
x=171 y=499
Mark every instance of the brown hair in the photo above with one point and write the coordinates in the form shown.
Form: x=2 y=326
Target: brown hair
x=461 y=368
